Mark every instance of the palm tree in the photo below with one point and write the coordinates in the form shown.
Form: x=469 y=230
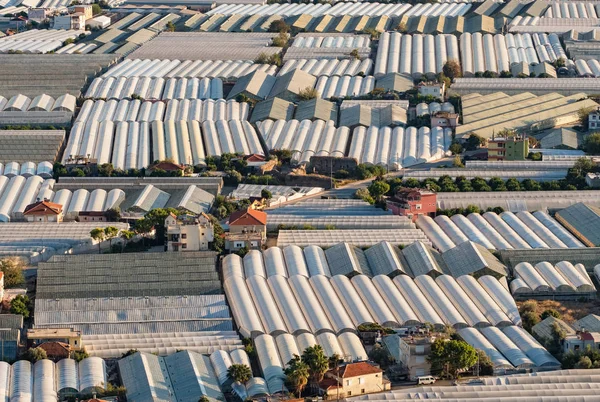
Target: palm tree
x=239 y=373
x=318 y=363
x=297 y=374
x=111 y=232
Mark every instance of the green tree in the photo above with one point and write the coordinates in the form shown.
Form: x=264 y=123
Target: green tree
x=126 y=235
x=354 y=54
x=98 y=235
x=472 y=209
x=378 y=188
x=380 y=356
x=365 y=195
x=592 y=144
x=451 y=356
x=96 y=9
x=113 y=214
x=486 y=367
x=529 y=319
x=513 y=184
x=129 y=353
x=531 y=185
x=266 y=194
x=279 y=26
x=110 y=232
x=239 y=373
x=317 y=362
x=170 y=26
x=297 y=374
x=12 y=268
x=583 y=116
x=458 y=162
x=452 y=69
x=550 y=313
x=584 y=363
x=474 y=141
x=203 y=398
x=79 y=355
x=35 y=354
x=20 y=305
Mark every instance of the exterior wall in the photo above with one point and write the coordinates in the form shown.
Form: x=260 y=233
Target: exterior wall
x=327 y=164
x=9 y=350
x=433 y=90
x=442 y=121
x=508 y=149
x=251 y=241
x=360 y=385
x=426 y=205
x=575 y=344
x=187 y=237
x=38 y=14
x=69 y=22
x=594 y=121
x=45 y=218
x=413 y=356
x=86 y=10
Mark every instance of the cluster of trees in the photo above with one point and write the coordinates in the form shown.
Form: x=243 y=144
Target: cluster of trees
x=21 y=305
x=450 y=357
x=530 y=315
x=107 y=170
x=109 y=233
x=273 y=59
x=374 y=193
x=446 y=184
x=592 y=144
x=470 y=209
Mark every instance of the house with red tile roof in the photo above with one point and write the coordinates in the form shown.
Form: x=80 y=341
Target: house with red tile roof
x=43 y=211
x=247 y=229
x=353 y=379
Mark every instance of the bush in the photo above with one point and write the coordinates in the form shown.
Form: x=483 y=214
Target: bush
x=280 y=40
x=550 y=313
x=279 y=26
x=592 y=144
x=308 y=93
x=96 y=9
x=35 y=354
x=20 y=305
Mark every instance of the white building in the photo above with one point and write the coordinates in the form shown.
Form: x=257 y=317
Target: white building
x=100 y=22
x=434 y=89
x=594 y=120
x=188 y=232
x=69 y=21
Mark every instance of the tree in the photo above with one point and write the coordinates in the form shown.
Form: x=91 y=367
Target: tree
x=583 y=116
x=457 y=162
x=529 y=319
x=98 y=235
x=113 y=214
x=354 y=54
x=96 y=9
x=317 y=362
x=584 y=363
x=592 y=144
x=308 y=93
x=365 y=195
x=239 y=373
x=79 y=355
x=110 y=232
x=297 y=374
x=456 y=148
x=451 y=356
x=129 y=353
x=452 y=69
x=170 y=26
x=486 y=367
x=20 y=305
x=279 y=26
x=281 y=40
x=474 y=141
x=126 y=235
x=378 y=188
x=550 y=313
x=380 y=356
x=12 y=268
x=203 y=398
x=266 y=194
x=513 y=184
x=35 y=354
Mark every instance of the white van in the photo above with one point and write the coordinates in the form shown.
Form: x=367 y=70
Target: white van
x=426 y=380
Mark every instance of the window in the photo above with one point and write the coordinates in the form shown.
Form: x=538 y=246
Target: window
x=362 y=391
x=349 y=393
x=419 y=359
x=418 y=206
x=184 y=245
x=184 y=236
x=238 y=244
x=348 y=382
x=420 y=349
x=361 y=380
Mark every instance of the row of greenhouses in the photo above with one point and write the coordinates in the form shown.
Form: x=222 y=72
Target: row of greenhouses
x=155 y=88
x=26 y=169
x=137 y=144
x=320 y=304
x=521 y=230
x=41 y=103
x=156 y=68
x=545 y=279
x=329 y=67
x=146 y=111
x=49 y=381
x=344 y=86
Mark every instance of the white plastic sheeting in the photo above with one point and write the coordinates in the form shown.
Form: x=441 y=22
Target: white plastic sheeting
x=288 y=305
x=313 y=311
x=507 y=347
x=265 y=305
x=332 y=305
x=369 y=295
x=395 y=301
x=438 y=299
x=351 y=300
x=241 y=304
x=270 y=363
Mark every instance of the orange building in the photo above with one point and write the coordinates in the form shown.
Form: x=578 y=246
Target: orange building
x=413 y=202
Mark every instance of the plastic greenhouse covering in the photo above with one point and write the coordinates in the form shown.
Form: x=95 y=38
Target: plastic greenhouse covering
x=435 y=295
x=287 y=348
x=507 y=347
x=310 y=305
x=532 y=348
x=270 y=363
x=288 y=305
x=332 y=305
x=265 y=305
